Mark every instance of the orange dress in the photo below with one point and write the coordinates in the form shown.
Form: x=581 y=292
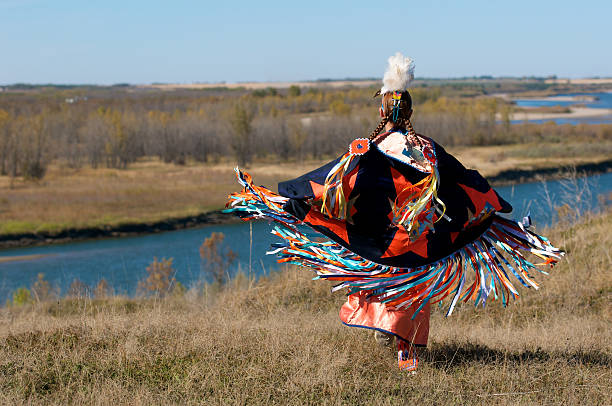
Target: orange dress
x=358 y=312
x=399 y=224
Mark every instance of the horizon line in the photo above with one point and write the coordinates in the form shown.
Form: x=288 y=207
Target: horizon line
x=551 y=78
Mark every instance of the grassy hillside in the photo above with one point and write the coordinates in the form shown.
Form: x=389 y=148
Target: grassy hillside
x=279 y=341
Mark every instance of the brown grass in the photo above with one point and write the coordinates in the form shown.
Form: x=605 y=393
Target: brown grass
x=544 y=109
x=147 y=191
x=279 y=341
x=152 y=191
x=491 y=160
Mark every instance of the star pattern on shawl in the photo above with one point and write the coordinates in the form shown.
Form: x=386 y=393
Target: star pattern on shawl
x=480 y=200
x=401 y=244
x=317 y=190
x=399 y=181
x=392 y=206
x=338 y=227
x=351 y=210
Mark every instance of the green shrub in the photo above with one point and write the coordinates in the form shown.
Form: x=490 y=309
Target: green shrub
x=21 y=296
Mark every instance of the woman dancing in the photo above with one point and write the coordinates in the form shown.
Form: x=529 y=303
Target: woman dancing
x=407 y=225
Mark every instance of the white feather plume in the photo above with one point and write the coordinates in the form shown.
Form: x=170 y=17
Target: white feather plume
x=399 y=74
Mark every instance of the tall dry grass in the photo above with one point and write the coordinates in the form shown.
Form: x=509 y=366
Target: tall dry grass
x=279 y=341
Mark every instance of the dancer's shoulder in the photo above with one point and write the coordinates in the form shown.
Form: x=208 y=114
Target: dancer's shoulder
x=415 y=150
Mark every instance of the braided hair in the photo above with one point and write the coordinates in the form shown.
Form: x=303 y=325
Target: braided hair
x=402 y=114
x=379 y=127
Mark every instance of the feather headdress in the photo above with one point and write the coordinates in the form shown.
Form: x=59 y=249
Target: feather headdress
x=399 y=74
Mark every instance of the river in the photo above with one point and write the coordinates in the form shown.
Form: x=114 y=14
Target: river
x=601 y=100
x=123 y=261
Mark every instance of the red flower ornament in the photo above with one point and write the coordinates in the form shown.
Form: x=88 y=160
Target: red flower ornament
x=359 y=146
x=429 y=155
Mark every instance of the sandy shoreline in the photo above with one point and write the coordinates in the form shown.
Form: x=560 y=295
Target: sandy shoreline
x=575 y=112
x=581 y=81
x=22 y=258
x=577 y=99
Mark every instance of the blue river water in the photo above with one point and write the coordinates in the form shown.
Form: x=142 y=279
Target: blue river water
x=603 y=100
x=123 y=261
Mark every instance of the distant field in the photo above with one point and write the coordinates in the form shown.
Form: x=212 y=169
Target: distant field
x=147 y=191
x=262 y=85
x=279 y=341
x=362 y=83
x=582 y=81
x=150 y=191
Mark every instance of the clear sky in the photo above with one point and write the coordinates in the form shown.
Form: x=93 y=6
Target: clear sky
x=134 y=41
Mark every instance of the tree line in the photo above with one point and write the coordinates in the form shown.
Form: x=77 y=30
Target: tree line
x=114 y=127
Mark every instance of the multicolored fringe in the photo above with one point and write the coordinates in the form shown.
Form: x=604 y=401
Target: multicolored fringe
x=415 y=206
x=334 y=202
x=403 y=287
x=257 y=202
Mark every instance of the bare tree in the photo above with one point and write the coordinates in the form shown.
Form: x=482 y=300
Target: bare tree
x=240 y=120
x=95 y=133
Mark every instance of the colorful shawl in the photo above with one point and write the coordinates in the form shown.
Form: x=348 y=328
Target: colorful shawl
x=401 y=220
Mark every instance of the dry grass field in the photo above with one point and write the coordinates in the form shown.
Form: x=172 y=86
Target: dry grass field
x=152 y=191
x=279 y=341
x=147 y=191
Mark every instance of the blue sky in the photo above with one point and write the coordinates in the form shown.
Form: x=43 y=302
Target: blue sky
x=178 y=41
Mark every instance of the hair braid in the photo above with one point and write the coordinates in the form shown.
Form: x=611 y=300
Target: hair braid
x=380 y=126
x=411 y=132
x=409 y=127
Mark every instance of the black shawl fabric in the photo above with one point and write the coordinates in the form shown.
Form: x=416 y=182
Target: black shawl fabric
x=372 y=183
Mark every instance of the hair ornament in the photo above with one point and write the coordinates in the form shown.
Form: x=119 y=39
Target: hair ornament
x=397 y=101
x=398 y=75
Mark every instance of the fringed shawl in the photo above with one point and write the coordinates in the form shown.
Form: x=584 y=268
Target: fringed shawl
x=406 y=230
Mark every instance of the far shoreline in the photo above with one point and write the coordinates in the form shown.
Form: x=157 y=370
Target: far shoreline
x=575 y=112
x=506 y=177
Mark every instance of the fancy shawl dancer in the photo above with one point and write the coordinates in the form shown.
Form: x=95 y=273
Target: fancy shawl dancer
x=406 y=225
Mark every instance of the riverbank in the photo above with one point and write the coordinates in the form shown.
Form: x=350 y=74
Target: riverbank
x=574 y=112
x=118 y=231
x=516 y=176
x=553 y=107
x=151 y=196
x=502 y=178
x=278 y=340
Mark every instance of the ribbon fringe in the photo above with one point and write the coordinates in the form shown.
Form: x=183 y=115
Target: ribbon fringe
x=257 y=202
x=415 y=204
x=334 y=202
x=492 y=257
